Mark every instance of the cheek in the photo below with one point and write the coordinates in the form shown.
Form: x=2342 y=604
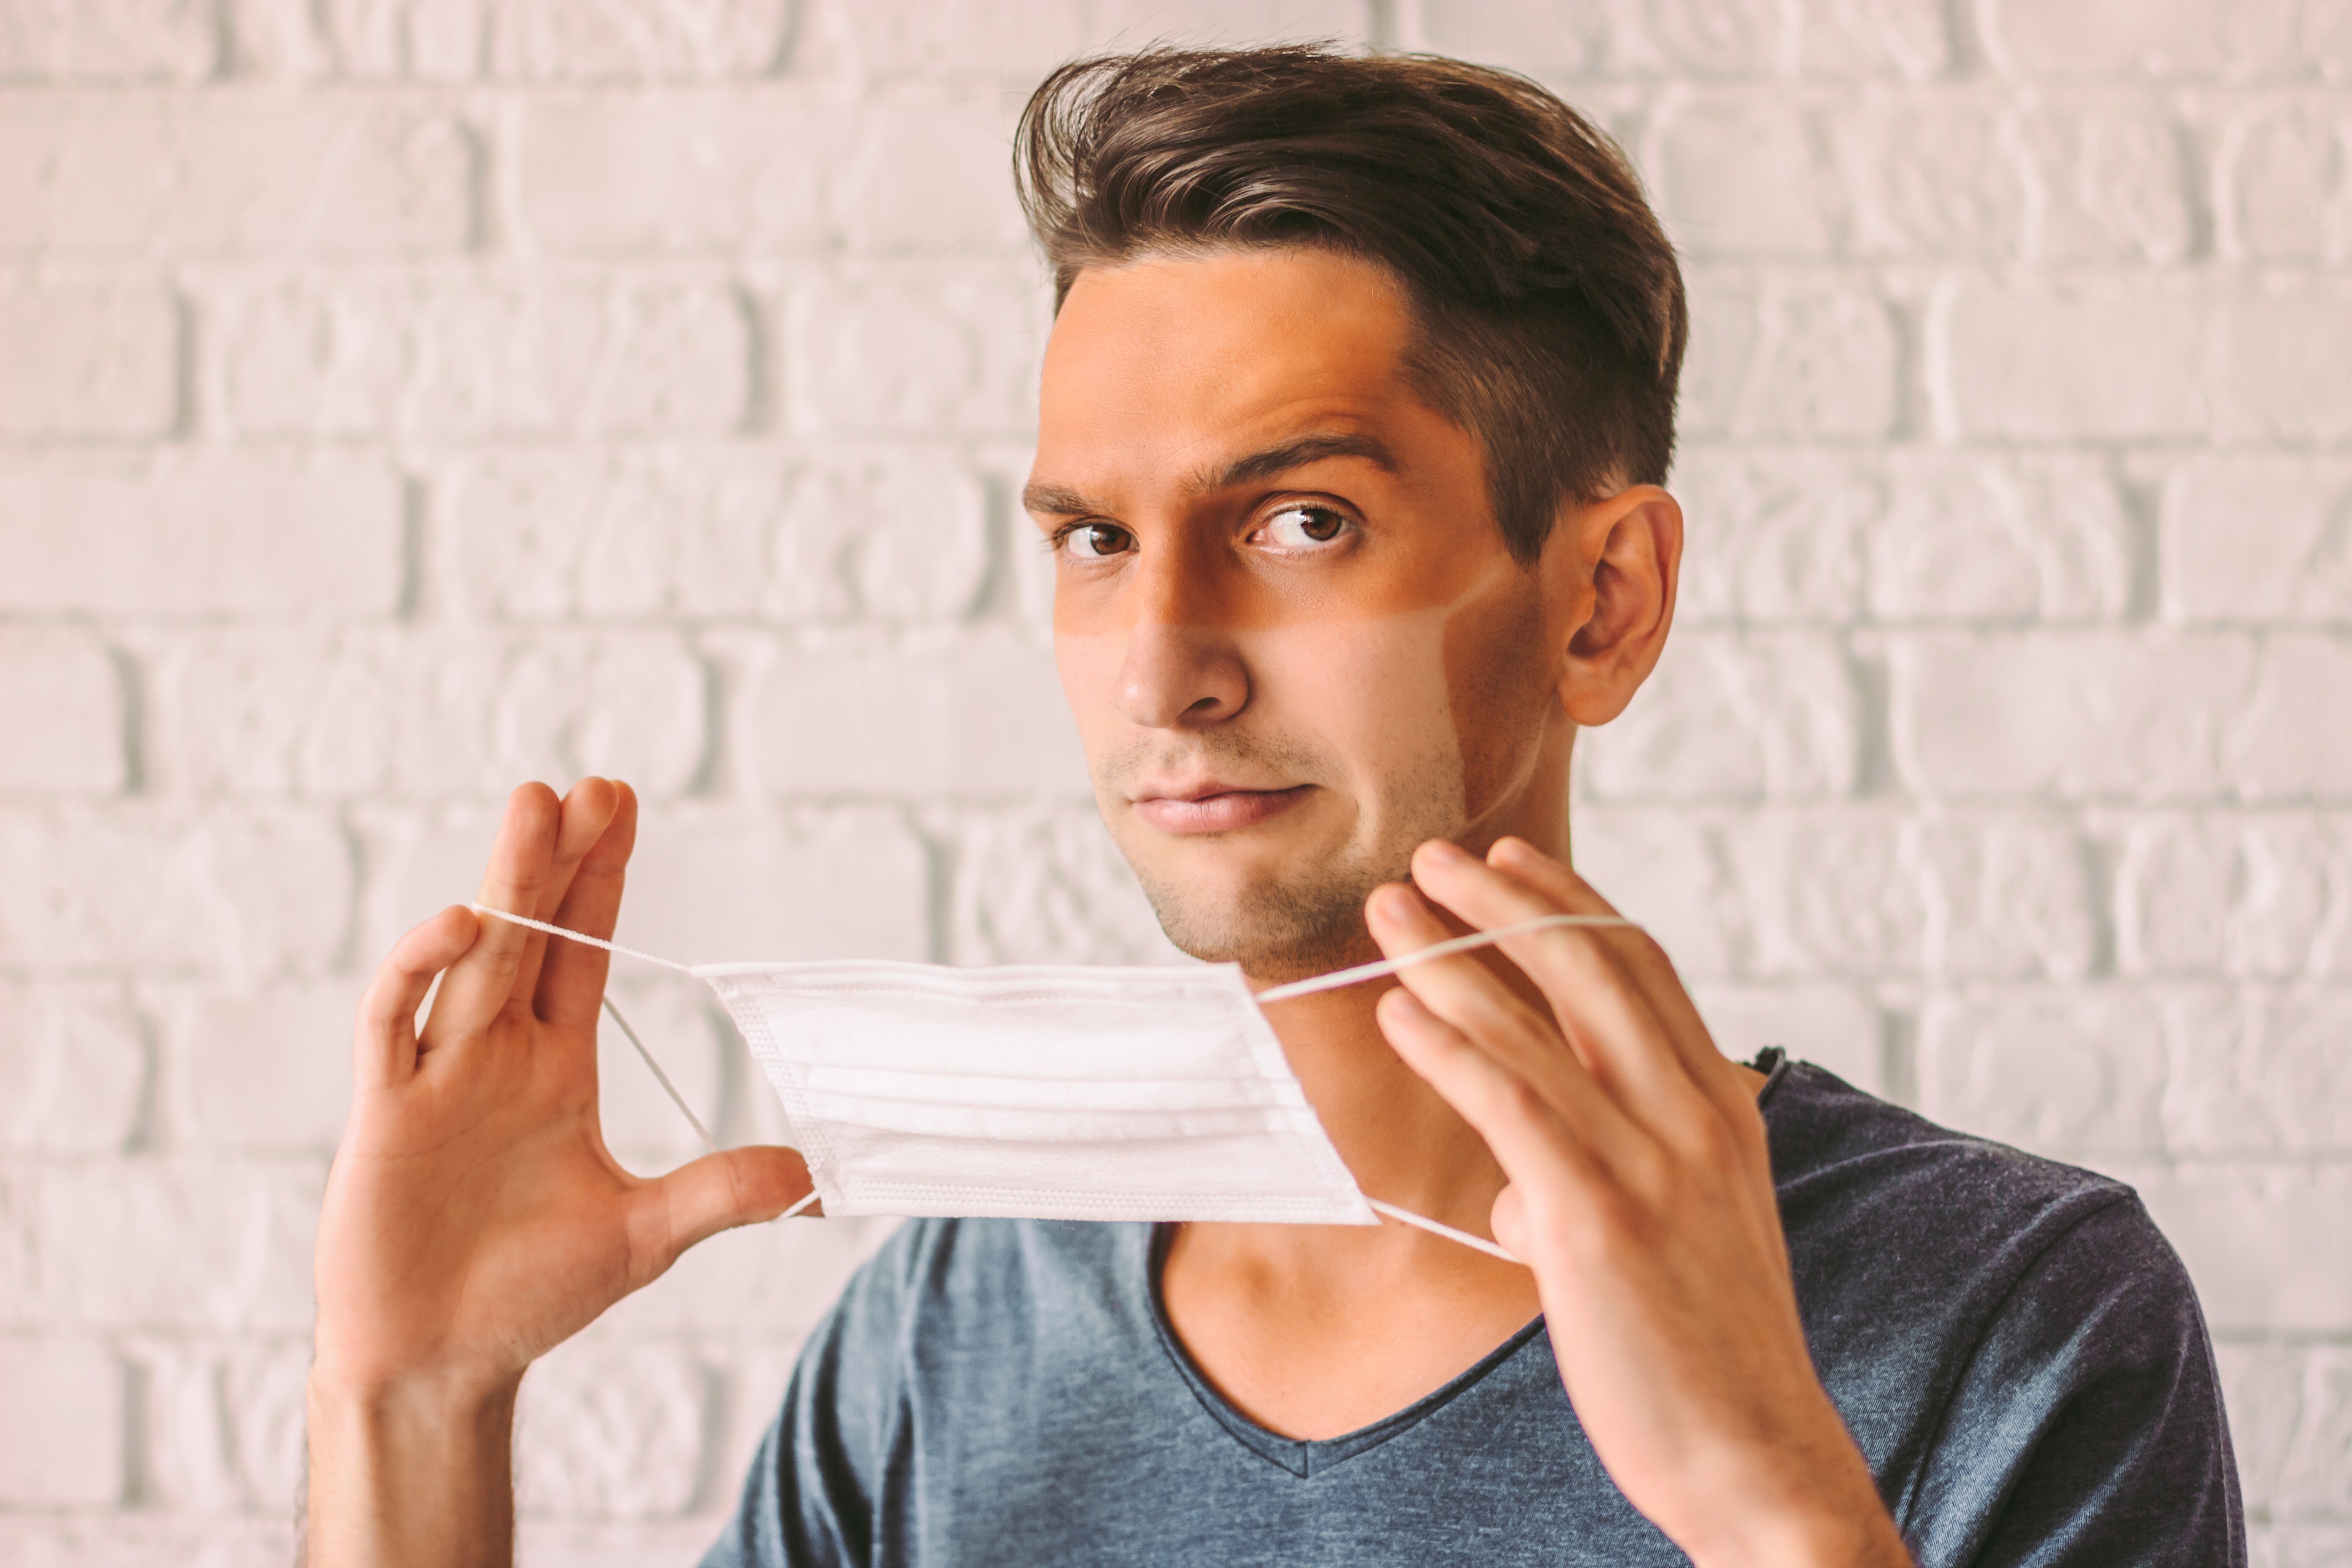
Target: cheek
x=1368 y=691
x=1498 y=684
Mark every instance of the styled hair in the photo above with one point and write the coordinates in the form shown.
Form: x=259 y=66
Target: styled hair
x=1549 y=307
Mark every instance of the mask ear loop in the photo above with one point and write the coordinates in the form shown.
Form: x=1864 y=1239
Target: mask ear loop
x=1338 y=978
x=643 y=1054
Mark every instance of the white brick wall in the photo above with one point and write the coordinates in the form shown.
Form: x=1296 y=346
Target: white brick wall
x=399 y=398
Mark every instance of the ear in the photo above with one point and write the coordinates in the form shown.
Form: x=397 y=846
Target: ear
x=1613 y=582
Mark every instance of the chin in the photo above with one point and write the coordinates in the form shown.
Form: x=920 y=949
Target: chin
x=1275 y=929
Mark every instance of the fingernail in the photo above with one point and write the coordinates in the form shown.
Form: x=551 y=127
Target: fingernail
x=1392 y=903
x=1510 y=848
x=1446 y=849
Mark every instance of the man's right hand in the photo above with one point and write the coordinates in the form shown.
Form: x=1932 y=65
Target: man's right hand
x=474 y=1219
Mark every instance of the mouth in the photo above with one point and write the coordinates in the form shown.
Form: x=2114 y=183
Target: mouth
x=1212 y=807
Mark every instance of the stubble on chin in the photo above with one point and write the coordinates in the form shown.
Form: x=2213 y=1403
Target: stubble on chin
x=1306 y=916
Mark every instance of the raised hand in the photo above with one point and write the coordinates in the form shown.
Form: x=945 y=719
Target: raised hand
x=1641 y=1195
x=474 y=1218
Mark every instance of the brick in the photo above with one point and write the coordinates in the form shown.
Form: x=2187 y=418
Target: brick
x=1907 y=38
x=218 y=1245
x=707 y=885
x=2255 y=896
x=427 y=714
x=203 y=535
x=1787 y=357
x=1527 y=35
x=2066 y=1071
x=2073 y=359
x=2260 y=1071
x=73 y=1069
x=941 y=38
x=907 y=348
x=2076 y=715
x=61 y=697
x=88 y=358
x=109 y=176
x=1977 y=537
x=762 y=1285
x=1119 y=23
x=611 y=1431
x=163 y=888
x=2284 y=747
x=556 y=40
x=1830 y=892
x=928 y=175
x=1772 y=715
x=109 y=40
x=2280 y=371
x=2139 y=38
x=1834 y=1027
x=729 y=532
x=1046 y=885
x=2291 y=1427
x=63 y=1443
x=513 y=356
x=1666 y=871
x=2008 y=896
x=264 y=1071
x=222 y=1423
x=128 y=1541
x=1771 y=536
x=2256 y=540
x=2263 y=1241
x=702 y=170
x=2113 y=185
x=977 y=713
x=1940 y=176
x=1737 y=175
x=2280 y=192
x=1707 y=37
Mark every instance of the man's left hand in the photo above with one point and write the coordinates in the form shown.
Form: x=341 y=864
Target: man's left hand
x=1641 y=1194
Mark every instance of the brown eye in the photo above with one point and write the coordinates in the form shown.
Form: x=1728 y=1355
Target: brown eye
x=1303 y=527
x=1094 y=540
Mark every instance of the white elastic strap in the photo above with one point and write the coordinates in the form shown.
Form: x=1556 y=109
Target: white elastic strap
x=1476 y=939
x=583 y=936
x=1478 y=1242
x=662 y=1078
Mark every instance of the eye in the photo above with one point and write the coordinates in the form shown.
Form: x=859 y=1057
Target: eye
x=1302 y=527
x=1096 y=540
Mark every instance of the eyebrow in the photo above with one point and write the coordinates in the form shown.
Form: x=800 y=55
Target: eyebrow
x=1046 y=499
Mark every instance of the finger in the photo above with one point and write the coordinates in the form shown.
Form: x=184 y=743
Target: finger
x=1469 y=996
x=479 y=985
x=571 y=978
x=1520 y=1125
x=581 y=818
x=1597 y=999
x=715 y=1193
x=383 y=1043
x=1652 y=969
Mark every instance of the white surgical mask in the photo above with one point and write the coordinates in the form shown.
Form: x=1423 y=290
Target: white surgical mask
x=1045 y=1091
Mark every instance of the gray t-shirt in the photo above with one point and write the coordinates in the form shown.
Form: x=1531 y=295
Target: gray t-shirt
x=2015 y=1348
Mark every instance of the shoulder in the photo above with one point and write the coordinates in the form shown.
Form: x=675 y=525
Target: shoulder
x=1893 y=1219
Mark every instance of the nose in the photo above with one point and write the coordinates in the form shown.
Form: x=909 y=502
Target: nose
x=1182 y=669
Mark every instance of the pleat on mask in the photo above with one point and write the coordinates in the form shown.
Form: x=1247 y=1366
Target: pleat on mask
x=1045 y=1091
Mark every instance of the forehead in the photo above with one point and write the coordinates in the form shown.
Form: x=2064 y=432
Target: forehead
x=1181 y=357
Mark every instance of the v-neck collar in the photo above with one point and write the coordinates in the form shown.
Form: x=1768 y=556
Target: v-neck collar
x=1306 y=1457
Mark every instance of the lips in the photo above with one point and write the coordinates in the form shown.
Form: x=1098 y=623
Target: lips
x=1214 y=808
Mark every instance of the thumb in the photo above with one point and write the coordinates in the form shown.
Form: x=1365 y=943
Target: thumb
x=720 y=1192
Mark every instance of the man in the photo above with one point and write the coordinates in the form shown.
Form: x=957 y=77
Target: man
x=1353 y=420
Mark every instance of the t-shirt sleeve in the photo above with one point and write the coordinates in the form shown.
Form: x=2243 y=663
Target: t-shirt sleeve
x=809 y=1500
x=2087 y=1427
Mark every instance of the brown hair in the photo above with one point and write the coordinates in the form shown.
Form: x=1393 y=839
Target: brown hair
x=1550 y=309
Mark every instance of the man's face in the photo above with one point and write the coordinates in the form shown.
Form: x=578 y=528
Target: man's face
x=1295 y=642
